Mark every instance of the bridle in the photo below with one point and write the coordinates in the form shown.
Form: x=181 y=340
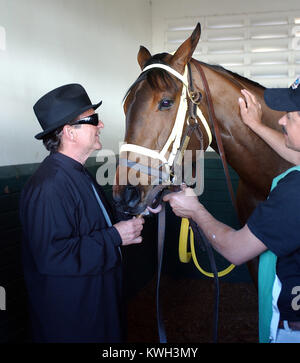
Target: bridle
x=187 y=96
x=175 y=137
x=195 y=113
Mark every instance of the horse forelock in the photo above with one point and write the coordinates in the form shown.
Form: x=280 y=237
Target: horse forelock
x=158 y=79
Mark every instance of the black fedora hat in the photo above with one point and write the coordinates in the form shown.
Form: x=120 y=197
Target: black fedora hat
x=284 y=99
x=60 y=106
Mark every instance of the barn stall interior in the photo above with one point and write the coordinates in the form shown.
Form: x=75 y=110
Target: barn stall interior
x=95 y=43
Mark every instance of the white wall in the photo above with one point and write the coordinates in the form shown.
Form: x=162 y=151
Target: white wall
x=53 y=42
x=168 y=9
x=92 y=42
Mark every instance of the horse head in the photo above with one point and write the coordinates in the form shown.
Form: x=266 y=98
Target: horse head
x=151 y=106
x=155 y=103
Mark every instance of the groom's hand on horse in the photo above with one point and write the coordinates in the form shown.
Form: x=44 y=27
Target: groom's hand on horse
x=185 y=203
x=250 y=110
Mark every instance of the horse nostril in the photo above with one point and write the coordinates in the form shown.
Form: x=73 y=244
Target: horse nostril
x=117 y=194
x=117 y=198
x=132 y=196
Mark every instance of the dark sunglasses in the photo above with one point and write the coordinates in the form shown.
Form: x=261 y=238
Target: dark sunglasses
x=89 y=120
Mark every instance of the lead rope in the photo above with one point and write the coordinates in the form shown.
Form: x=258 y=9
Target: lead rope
x=201 y=236
x=160 y=251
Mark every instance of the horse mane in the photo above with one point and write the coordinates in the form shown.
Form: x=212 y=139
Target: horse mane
x=231 y=75
x=159 y=78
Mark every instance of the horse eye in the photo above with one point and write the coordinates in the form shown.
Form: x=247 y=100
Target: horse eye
x=165 y=104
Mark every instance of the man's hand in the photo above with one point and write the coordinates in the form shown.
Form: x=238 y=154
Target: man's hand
x=185 y=204
x=130 y=231
x=250 y=109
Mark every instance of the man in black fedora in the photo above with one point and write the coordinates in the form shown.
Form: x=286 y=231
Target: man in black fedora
x=71 y=241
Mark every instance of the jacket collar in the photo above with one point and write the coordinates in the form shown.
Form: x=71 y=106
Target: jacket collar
x=68 y=161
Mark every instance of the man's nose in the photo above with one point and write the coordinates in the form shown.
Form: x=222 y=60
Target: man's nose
x=100 y=125
x=282 y=120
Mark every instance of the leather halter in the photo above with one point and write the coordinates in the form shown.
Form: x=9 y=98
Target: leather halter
x=175 y=135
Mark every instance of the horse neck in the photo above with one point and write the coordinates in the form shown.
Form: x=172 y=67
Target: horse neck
x=253 y=160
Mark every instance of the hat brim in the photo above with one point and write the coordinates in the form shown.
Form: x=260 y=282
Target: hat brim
x=280 y=99
x=65 y=120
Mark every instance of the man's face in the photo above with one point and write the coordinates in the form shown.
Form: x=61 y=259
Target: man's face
x=88 y=135
x=290 y=123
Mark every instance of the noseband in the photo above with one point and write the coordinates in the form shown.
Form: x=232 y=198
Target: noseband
x=175 y=135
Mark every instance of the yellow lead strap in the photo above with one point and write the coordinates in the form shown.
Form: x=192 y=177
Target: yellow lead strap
x=185 y=256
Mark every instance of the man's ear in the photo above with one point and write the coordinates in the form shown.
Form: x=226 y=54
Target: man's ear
x=69 y=133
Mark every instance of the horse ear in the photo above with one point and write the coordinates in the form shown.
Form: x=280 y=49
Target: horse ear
x=184 y=53
x=143 y=56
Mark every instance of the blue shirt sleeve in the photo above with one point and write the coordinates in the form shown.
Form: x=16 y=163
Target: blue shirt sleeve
x=276 y=221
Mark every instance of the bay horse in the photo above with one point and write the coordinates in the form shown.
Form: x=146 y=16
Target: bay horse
x=151 y=105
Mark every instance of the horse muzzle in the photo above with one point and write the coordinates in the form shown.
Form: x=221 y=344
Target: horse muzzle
x=128 y=199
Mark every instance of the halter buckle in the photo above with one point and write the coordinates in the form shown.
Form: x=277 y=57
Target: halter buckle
x=196 y=97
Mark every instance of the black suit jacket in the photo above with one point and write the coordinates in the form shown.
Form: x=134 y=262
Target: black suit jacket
x=71 y=258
